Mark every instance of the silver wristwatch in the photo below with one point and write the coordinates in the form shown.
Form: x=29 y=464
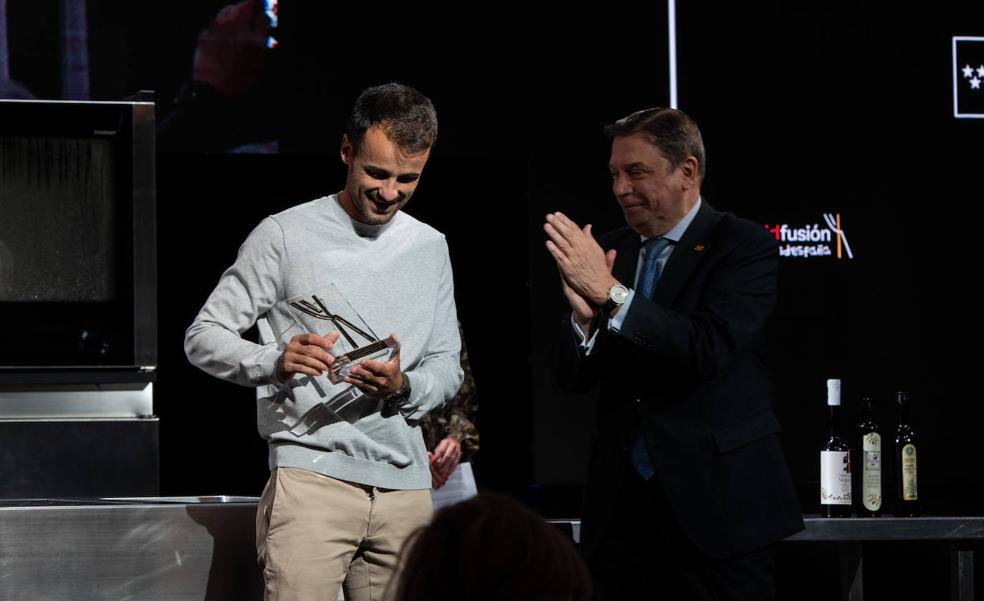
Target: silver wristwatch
x=616 y=296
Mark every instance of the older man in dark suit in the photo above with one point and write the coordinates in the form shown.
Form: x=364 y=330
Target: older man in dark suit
x=688 y=490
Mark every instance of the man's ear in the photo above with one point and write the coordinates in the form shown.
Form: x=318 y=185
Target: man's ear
x=688 y=168
x=347 y=151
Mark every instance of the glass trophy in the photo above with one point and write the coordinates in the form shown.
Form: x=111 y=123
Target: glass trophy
x=331 y=306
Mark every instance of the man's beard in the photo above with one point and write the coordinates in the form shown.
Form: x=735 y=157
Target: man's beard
x=370 y=199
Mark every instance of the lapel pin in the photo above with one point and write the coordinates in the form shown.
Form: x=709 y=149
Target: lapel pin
x=699 y=248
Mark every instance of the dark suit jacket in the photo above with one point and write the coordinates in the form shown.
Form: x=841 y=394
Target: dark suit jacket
x=687 y=369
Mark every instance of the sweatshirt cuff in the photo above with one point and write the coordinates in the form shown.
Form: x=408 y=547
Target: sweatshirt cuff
x=265 y=369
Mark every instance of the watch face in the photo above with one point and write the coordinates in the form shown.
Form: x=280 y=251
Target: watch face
x=618 y=293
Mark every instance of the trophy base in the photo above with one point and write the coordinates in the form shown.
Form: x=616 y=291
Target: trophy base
x=381 y=350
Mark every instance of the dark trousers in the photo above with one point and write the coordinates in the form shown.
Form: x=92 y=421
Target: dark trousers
x=644 y=554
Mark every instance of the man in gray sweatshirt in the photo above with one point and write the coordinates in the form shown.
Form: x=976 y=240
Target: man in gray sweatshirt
x=349 y=474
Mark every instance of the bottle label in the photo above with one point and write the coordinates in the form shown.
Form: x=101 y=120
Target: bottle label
x=835 y=478
x=909 y=490
x=871 y=488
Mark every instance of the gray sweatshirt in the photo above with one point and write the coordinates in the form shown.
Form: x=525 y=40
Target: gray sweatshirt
x=376 y=281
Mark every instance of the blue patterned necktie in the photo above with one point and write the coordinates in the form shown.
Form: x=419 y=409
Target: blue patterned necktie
x=650 y=265
x=640 y=458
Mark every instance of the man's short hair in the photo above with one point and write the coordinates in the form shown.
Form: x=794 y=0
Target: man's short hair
x=407 y=117
x=672 y=131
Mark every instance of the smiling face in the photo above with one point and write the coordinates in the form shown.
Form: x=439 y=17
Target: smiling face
x=653 y=194
x=381 y=177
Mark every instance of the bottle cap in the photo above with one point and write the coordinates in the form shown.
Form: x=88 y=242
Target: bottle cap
x=834 y=392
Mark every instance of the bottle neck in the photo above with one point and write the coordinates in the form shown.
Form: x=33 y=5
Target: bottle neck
x=904 y=412
x=835 y=420
x=868 y=412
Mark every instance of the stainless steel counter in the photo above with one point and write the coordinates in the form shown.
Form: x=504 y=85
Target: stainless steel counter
x=156 y=548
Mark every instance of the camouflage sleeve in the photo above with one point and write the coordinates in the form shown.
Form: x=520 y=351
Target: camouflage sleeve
x=457 y=417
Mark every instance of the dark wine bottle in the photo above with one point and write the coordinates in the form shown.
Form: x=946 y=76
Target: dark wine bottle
x=869 y=448
x=906 y=445
x=835 y=462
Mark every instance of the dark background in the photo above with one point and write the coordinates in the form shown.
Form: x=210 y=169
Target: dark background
x=822 y=107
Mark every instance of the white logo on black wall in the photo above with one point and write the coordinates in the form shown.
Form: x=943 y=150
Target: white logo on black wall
x=813 y=240
x=968 y=77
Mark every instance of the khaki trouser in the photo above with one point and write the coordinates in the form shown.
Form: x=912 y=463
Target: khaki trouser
x=315 y=533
